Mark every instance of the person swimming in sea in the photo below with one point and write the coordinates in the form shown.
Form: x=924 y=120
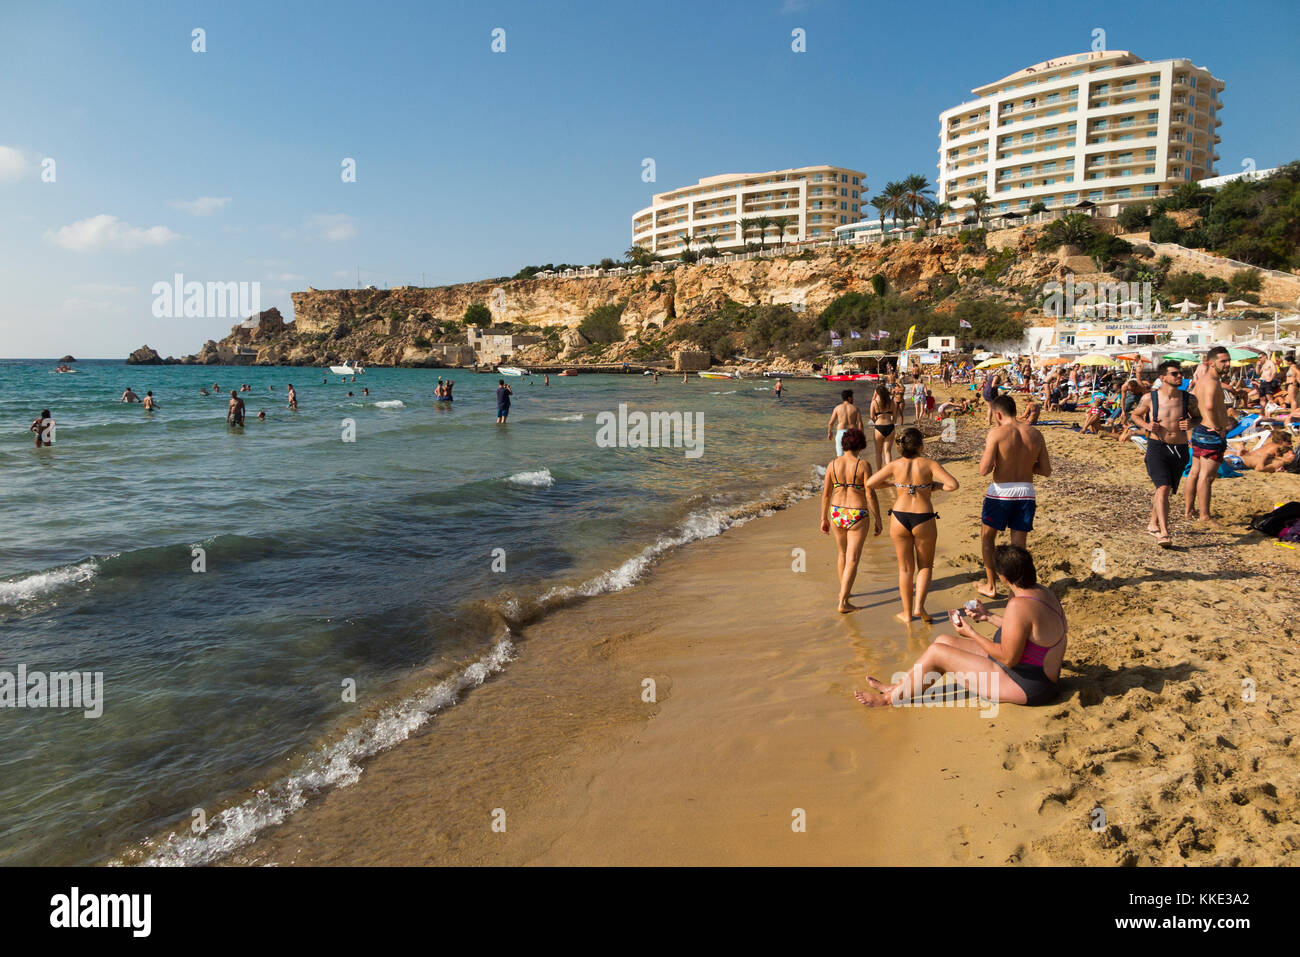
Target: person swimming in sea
x=293 y=398
x=129 y=396
x=365 y=391
x=261 y=416
x=149 y=403
x=235 y=412
x=43 y=427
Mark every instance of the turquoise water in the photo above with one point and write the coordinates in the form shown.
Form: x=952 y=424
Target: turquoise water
x=376 y=562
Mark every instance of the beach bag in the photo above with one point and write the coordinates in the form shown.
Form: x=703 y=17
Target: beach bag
x=1278 y=519
x=1291 y=533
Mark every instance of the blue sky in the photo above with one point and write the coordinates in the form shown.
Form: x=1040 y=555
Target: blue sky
x=225 y=165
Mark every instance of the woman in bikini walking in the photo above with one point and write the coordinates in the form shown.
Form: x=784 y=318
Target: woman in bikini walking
x=1021 y=665
x=845 y=502
x=913 y=527
x=883 y=415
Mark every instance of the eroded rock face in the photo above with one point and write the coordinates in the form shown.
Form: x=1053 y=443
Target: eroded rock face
x=144 y=356
x=419 y=326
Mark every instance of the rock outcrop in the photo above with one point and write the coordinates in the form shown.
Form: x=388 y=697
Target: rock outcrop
x=144 y=356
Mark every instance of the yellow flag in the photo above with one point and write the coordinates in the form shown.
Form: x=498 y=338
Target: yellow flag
x=910 y=333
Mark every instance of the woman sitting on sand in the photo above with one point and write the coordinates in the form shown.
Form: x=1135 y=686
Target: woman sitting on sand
x=1021 y=665
x=845 y=501
x=913 y=528
x=883 y=419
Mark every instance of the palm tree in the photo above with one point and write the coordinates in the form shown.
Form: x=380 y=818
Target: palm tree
x=916 y=192
x=712 y=240
x=882 y=204
x=763 y=223
x=746 y=225
x=896 y=193
x=779 y=223
x=981 y=199
x=792 y=222
x=936 y=212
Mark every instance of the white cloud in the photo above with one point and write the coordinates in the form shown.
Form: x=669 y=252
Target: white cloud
x=105 y=232
x=12 y=163
x=203 y=206
x=334 y=227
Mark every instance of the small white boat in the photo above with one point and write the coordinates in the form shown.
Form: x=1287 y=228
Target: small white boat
x=718 y=375
x=511 y=370
x=346 y=369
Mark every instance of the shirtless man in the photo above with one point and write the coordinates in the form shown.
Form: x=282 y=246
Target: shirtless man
x=1209 y=435
x=1163 y=416
x=1267 y=380
x=1014 y=453
x=129 y=396
x=235 y=413
x=293 y=398
x=844 y=417
x=149 y=403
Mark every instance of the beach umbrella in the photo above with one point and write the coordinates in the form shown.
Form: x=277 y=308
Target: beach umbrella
x=1187 y=304
x=1243 y=355
x=1183 y=356
x=1096 y=359
x=1158 y=309
x=1236 y=304
x=993 y=363
x=1054 y=361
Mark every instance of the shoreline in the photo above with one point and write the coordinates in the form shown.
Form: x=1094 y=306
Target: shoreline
x=754 y=716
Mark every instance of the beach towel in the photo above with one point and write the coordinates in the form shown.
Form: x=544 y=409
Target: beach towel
x=1225 y=471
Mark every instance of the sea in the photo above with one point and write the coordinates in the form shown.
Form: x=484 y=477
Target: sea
x=266 y=607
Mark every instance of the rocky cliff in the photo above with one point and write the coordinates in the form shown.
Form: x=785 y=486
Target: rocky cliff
x=419 y=326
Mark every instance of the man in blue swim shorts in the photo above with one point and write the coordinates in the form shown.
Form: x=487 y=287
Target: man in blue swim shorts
x=1014 y=453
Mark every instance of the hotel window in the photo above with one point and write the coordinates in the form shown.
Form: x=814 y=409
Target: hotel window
x=1151 y=134
x=1099 y=125
x=1071 y=128
x=843 y=206
x=1154 y=96
x=1048 y=182
x=1153 y=117
x=1026 y=170
x=1191 y=101
x=1155 y=79
x=1193 y=83
x=817 y=178
x=853 y=207
x=1069 y=179
x=843 y=220
x=1003 y=207
x=1101 y=88
x=1049 y=166
x=1026 y=152
x=1128 y=84
x=817 y=191
x=1070 y=198
x=1124 y=158
x=1096 y=195
x=1050 y=132
x=1149 y=171
x=844 y=177
x=816 y=217
x=1026 y=137
x=844 y=192
x=855 y=181
x=1053 y=98
x=1148 y=190
x=1123 y=193
x=855 y=194
x=1151 y=154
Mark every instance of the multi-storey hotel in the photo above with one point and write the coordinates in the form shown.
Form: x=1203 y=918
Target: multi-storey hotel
x=809 y=201
x=1105 y=127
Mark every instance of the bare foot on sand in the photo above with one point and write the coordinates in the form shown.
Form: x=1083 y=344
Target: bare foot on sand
x=1153 y=531
x=1208 y=522
x=879 y=685
x=986 y=591
x=903 y=618
x=924 y=616
x=872 y=700
x=848 y=606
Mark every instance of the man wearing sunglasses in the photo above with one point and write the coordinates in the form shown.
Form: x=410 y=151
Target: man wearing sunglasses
x=1162 y=415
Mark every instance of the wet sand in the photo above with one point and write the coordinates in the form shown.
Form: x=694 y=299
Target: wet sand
x=754 y=722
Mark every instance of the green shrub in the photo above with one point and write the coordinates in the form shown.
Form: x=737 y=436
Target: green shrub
x=477 y=314
x=1246 y=280
x=602 y=325
x=1134 y=218
x=421 y=342
x=879 y=284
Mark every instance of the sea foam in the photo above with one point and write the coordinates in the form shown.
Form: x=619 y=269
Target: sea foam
x=42 y=583
x=540 y=479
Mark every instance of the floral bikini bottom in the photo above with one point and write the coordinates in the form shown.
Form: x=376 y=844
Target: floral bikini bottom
x=846 y=517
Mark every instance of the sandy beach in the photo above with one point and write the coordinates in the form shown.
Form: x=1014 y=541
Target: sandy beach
x=1175 y=718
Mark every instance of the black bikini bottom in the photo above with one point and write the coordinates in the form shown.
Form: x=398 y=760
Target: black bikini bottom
x=884 y=430
x=910 y=520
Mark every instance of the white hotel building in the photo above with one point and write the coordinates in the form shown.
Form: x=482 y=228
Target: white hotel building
x=1106 y=127
x=811 y=200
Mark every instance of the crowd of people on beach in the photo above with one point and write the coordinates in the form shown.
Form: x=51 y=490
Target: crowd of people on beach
x=1219 y=418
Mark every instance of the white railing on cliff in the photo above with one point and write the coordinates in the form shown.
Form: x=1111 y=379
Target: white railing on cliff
x=1211 y=260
